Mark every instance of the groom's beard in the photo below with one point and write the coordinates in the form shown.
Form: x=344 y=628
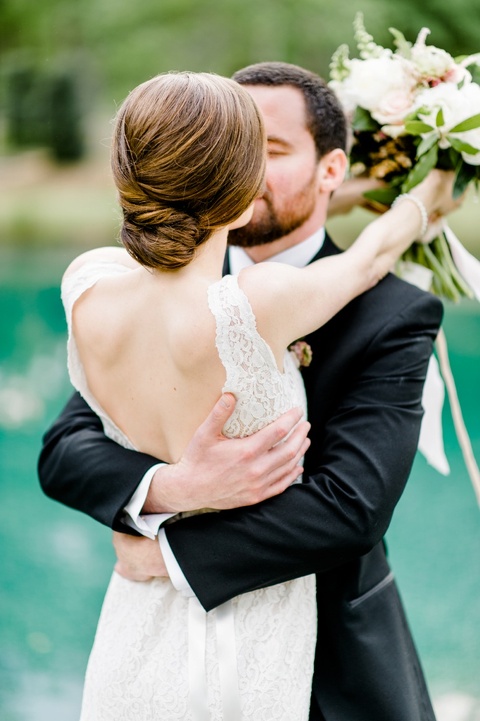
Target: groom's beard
x=269 y=223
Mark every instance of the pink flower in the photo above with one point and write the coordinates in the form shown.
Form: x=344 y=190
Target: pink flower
x=301 y=352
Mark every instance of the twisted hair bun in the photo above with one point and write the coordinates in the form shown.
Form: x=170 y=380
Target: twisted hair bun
x=188 y=157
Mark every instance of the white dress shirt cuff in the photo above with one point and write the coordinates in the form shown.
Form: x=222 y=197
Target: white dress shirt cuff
x=174 y=571
x=146 y=524
x=149 y=525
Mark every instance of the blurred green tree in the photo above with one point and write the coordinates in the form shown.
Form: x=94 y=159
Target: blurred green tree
x=115 y=44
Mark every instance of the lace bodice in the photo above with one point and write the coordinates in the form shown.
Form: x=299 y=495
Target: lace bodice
x=263 y=392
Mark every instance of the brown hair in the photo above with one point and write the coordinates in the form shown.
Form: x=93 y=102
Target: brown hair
x=188 y=157
x=324 y=115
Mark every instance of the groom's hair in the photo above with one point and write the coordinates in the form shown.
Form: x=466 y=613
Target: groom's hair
x=324 y=115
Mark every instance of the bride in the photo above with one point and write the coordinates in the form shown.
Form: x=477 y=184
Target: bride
x=155 y=333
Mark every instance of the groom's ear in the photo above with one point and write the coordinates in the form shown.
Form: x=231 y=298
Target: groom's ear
x=331 y=170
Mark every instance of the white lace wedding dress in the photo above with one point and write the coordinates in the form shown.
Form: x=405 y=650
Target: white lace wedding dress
x=157 y=655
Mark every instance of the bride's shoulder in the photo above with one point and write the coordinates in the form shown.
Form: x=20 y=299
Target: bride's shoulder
x=265 y=281
x=88 y=269
x=104 y=256
x=87 y=296
x=271 y=290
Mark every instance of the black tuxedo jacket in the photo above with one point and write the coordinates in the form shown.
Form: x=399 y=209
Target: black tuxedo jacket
x=364 y=390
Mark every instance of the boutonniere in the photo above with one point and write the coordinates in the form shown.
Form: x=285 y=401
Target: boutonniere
x=302 y=353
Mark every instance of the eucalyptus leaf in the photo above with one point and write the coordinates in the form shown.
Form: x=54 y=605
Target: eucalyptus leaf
x=422 y=110
x=454 y=158
x=464 y=175
x=363 y=121
x=468 y=124
x=386 y=196
x=475 y=71
x=463 y=147
x=426 y=143
x=421 y=169
x=417 y=127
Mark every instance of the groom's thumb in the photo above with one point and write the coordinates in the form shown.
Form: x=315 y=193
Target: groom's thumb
x=221 y=412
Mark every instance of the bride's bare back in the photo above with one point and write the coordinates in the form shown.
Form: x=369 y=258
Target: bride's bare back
x=148 y=350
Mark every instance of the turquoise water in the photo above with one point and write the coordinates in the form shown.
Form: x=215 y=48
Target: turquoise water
x=55 y=563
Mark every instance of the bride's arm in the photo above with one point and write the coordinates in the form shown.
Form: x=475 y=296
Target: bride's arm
x=292 y=302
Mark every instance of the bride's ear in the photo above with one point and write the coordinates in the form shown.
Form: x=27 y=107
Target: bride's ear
x=331 y=170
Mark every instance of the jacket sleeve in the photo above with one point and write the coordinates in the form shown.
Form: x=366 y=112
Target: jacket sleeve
x=362 y=461
x=80 y=467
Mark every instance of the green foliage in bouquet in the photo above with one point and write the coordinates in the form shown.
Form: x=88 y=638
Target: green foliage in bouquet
x=411 y=110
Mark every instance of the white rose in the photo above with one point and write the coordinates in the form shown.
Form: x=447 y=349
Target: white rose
x=344 y=96
x=435 y=64
x=432 y=62
x=394 y=106
x=380 y=85
x=444 y=96
x=457 y=105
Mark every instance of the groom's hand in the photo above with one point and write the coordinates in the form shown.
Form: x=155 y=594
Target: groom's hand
x=138 y=559
x=219 y=473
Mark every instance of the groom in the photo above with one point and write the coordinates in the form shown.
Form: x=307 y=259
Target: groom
x=364 y=389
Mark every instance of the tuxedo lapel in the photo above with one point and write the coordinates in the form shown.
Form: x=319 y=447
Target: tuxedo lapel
x=226 y=264
x=328 y=248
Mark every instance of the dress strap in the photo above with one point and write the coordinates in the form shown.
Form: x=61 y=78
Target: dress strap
x=72 y=288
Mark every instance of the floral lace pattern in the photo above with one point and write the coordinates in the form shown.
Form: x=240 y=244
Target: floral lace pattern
x=139 y=665
x=262 y=391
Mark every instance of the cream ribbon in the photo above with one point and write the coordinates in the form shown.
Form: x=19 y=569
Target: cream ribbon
x=467 y=264
x=227 y=661
x=431 y=435
x=458 y=422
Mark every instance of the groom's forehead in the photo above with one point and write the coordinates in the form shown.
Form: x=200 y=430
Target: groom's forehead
x=282 y=107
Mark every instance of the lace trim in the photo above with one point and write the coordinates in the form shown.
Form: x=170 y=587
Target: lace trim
x=263 y=392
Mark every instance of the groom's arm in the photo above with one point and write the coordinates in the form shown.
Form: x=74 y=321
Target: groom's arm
x=362 y=463
x=81 y=468
x=345 y=507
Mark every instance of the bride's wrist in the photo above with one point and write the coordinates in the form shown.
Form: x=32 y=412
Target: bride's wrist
x=417 y=201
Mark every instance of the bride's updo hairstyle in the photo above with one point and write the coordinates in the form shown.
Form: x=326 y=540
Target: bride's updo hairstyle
x=188 y=157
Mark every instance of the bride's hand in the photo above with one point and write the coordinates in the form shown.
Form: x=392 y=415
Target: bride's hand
x=138 y=558
x=438 y=187
x=351 y=194
x=220 y=473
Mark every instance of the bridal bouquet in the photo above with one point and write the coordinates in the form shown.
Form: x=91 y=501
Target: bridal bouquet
x=413 y=109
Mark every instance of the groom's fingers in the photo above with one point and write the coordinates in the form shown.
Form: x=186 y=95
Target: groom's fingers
x=261 y=441
x=277 y=468
x=218 y=416
x=278 y=431
x=284 y=460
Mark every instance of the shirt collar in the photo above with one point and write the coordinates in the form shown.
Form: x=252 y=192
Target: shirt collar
x=298 y=255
